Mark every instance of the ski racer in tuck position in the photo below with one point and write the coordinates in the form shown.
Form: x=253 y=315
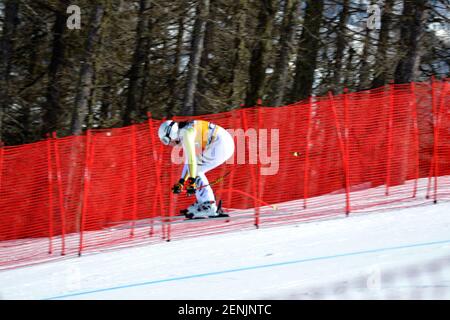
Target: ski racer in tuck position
x=205 y=147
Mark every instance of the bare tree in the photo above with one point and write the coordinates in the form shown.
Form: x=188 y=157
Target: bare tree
x=198 y=37
x=80 y=109
x=281 y=72
x=412 y=29
x=139 y=56
x=52 y=107
x=201 y=99
x=260 y=52
x=341 y=44
x=365 y=66
x=240 y=55
x=11 y=10
x=308 y=49
x=172 y=81
x=381 y=65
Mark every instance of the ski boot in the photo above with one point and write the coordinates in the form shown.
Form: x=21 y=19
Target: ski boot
x=203 y=210
x=207 y=209
x=191 y=208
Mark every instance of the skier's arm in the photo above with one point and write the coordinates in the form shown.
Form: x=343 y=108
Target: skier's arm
x=189 y=149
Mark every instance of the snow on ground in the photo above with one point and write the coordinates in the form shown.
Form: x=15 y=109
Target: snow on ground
x=397 y=254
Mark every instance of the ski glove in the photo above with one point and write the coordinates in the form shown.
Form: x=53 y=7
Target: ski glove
x=191 y=186
x=178 y=188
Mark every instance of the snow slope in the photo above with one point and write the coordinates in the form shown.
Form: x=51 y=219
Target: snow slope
x=397 y=254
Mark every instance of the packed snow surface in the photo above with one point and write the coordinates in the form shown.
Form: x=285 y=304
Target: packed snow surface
x=397 y=254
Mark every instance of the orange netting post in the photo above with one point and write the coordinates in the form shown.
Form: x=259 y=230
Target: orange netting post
x=258 y=166
x=62 y=210
x=152 y=141
x=434 y=137
x=134 y=178
x=86 y=185
x=158 y=162
x=416 y=137
x=252 y=171
x=343 y=152
x=306 y=172
x=161 y=198
x=50 y=194
x=435 y=132
x=436 y=143
x=347 y=152
x=171 y=202
x=1 y=161
x=231 y=179
x=390 y=137
x=2 y=153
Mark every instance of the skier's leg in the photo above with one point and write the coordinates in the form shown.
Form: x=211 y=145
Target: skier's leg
x=219 y=152
x=205 y=192
x=207 y=206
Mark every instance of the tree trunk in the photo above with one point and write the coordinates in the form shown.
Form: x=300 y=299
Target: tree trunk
x=240 y=56
x=281 y=72
x=143 y=88
x=172 y=84
x=381 y=65
x=197 y=45
x=349 y=76
x=412 y=29
x=139 y=56
x=260 y=53
x=52 y=107
x=84 y=88
x=106 y=100
x=307 y=51
x=11 y=10
x=340 y=47
x=364 y=69
x=201 y=102
x=10 y=22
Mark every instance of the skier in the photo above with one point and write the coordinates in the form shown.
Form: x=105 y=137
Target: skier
x=205 y=147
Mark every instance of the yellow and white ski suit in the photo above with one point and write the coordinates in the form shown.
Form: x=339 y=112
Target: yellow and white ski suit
x=205 y=146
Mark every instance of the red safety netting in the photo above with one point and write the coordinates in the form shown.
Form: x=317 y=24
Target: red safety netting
x=326 y=156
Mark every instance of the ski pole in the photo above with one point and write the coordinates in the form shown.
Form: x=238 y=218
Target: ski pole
x=220 y=179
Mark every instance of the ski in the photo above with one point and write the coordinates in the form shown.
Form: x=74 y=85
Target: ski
x=178 y=218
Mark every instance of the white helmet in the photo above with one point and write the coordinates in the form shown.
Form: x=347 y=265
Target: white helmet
x=168 y=131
